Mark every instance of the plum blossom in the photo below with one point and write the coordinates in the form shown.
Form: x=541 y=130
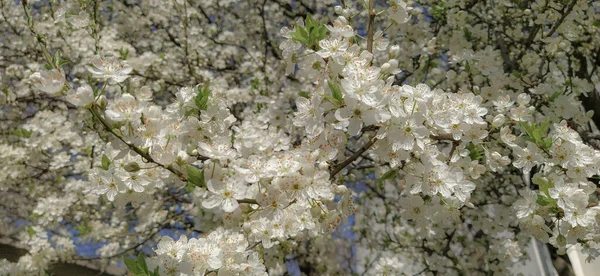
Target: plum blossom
x=109 y=68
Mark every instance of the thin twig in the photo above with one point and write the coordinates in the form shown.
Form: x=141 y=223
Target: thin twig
x=372 y=15
x=139 y=151
x=339 y=167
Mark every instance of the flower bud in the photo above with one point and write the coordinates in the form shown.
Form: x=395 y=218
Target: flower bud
x=102 y=102
x=338 y=9
x=340 y=189
x=385 y=67
x=394 y=50
x=523 y=99
x=247 y=226
x=498 y=120
x=346 y=13
x=131 y=167
x=451 y=74
x=144 y=94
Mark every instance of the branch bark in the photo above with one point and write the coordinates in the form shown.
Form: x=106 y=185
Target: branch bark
x=339 y=167
x=372 y=15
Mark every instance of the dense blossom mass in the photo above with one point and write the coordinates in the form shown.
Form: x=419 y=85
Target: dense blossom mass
x=330 y=137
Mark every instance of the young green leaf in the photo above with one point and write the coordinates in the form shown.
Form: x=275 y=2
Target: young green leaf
x=303 y=94
x=195 y=176
x=142 y=262
x=336 y=92
x=386 y=176
x=201 y=99
x=105 y=162
x=21 y=132
x=133 y=266
x=545 y=201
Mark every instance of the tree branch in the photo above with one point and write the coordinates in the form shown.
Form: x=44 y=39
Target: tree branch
x=372 y=15
x=339 y=167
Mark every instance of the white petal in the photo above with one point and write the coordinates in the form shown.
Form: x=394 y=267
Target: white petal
x=212 y=202
x=355 y=126
x=229 y=205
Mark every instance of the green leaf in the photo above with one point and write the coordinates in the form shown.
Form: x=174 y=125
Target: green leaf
x=301 y=35
x=331 y=99
x=303 y=94
x=21 y=132
x=386 y=176
x=336 y=92
x=538 y=134
x=309 y=21
x=83 y=229
x=201 y=99
x=475 y=152
x=544 y=184
x=189 y=187
x=254 y=83
x=468 y=34
x=30 y=231
x=195 y=176
x=439 y=11
x=56 y=59
x=547 y=143
x=190 y=112
x=123 y=53
x=545 y=201
x=553 y=96
x=105 y=162
x=133 y=266
x=142 y=262
x=310 y=35
x=320 y=33
x=544 y=127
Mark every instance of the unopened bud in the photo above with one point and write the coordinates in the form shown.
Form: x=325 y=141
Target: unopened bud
x=451 y=74
x=385 y=67
x=498 y=120
x=338 y=9
x=340 y=189
x=523 y=99
x=102 y=102
x=346 y=13
x=394 y=50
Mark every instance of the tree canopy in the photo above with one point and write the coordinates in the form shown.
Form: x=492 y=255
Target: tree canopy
x=314 y=137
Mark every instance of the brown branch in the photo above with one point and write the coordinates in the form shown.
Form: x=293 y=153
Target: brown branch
x=509 y=65
x=372 y=15
x=562 y=18
x=139 y=151
x=339 y=167
x=144 y=154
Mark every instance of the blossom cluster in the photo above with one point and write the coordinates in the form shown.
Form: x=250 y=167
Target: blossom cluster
x=445 y=143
